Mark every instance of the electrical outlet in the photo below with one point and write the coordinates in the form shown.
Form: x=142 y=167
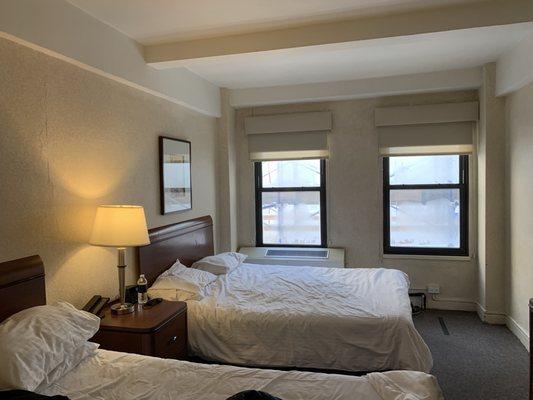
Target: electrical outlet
x=433 y=288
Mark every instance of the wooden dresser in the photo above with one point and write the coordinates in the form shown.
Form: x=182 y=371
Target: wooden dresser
x=159 y=331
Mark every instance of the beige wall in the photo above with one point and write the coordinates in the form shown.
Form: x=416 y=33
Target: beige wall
x=354 y=194
x=70 y=140
x=519 y=203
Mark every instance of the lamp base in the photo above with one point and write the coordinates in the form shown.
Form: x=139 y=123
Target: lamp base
x=124 y=308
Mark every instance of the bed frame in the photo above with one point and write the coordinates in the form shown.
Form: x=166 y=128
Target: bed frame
x=189 y=241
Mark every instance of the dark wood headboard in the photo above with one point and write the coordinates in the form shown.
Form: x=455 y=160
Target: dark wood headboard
x=21 y=285
x=188 y=241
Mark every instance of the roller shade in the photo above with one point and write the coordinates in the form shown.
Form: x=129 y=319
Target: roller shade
x=288 y=136
x=454 y=138
x=430 y=129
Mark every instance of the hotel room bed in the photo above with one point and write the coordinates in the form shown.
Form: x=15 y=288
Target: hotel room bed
x=112 y=375
x=35 y=353
x=304 y=317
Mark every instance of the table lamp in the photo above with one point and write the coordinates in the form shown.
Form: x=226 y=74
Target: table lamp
x=120 y=226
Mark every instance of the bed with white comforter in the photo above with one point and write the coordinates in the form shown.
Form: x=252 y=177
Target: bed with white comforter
x=325 y=318
x=112 y=375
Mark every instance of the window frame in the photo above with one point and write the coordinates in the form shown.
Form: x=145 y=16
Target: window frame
x=259 y=190
x=463 y=187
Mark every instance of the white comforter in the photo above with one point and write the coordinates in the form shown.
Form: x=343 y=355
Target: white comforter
x=116 y=376
x=327 y=318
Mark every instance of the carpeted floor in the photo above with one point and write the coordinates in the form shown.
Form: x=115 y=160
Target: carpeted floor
x=475 y=360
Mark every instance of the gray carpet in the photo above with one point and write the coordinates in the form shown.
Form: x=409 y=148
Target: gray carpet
x=475 y=360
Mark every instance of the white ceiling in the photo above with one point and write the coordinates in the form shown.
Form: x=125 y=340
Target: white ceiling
x=155 y=21
x=364 y=59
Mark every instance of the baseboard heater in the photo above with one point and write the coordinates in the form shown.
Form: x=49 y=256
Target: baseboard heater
x=313 y=257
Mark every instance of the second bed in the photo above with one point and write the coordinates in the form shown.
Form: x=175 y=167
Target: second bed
x=278 y=316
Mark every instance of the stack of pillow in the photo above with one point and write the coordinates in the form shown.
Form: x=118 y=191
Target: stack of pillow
x=180 y=283
x=41 y=344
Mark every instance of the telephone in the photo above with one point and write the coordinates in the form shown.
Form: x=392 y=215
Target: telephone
x=96 y=304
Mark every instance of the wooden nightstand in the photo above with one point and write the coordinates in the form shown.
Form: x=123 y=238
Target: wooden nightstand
x=159 y=331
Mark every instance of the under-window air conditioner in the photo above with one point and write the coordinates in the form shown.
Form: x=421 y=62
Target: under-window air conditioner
x=300 y=256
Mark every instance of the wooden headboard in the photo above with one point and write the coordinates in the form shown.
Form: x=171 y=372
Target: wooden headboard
x=188 y=241
x=21 y=285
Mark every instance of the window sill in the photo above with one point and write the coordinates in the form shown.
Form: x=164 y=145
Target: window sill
x=426 y=257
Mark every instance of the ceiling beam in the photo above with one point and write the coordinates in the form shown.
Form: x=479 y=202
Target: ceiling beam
x=462 y=79
x=61 y=30
x=514 y=68
x=462 y=16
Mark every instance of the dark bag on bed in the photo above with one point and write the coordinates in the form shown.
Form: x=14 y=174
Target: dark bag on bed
x=252 y=395
x=25 y=395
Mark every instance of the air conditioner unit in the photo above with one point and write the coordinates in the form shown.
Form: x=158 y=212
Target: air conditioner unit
x=295 y=256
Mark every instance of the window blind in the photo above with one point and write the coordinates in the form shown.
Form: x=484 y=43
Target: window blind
x=427 y=129
x=288 y=136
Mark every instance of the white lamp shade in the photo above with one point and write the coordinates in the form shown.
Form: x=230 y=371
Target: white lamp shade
x=119 y=226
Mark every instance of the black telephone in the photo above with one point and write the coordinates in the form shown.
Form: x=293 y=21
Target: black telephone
x=96 y=304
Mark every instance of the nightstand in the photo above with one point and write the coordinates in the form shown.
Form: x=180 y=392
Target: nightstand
x=159 y=331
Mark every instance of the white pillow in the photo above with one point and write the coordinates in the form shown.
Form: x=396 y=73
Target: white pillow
x=72 y=360
x=178 y=278
x=174 y=294
x=35 y=341
x=174 y=269
x=219 y=264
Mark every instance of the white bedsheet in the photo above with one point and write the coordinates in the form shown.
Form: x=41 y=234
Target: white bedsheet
x=327 y=318
x=120 y=376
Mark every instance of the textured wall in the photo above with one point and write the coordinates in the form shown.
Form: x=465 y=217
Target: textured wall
x=354 y=194
x=70 y=140
x=519 y=191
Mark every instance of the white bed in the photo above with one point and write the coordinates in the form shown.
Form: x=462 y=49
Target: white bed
x=111 y=375
x=324 y=318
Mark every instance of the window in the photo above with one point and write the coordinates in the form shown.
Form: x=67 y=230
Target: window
x=290 y=203
x=425 y=205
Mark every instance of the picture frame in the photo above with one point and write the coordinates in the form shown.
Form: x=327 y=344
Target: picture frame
x=175 y=175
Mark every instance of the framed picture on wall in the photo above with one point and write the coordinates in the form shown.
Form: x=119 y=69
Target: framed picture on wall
x=175 y=175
